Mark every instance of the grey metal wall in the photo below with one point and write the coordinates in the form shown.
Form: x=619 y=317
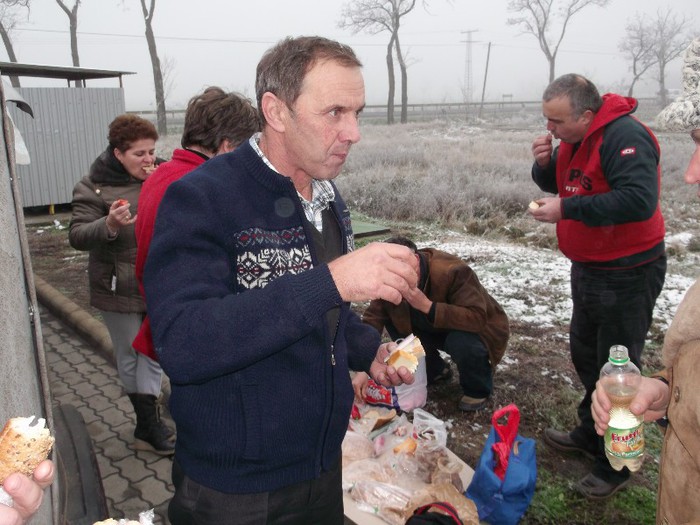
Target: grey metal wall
x=67 y=133
x=23 y=381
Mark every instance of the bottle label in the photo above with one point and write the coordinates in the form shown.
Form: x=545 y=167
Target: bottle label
x=625 y=443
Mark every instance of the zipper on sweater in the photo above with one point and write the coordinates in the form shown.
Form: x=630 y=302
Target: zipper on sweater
x=335 y=334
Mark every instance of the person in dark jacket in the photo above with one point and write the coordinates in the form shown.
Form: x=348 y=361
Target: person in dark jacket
x=249 y=279
x=105 y=204
x=449 y=310
x=216 y=122
x=605 y=172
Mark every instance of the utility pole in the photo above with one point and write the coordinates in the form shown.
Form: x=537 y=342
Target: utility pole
x=468 y=67
x=486 y=74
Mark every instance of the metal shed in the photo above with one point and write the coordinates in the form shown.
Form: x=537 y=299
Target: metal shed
x=68 y=130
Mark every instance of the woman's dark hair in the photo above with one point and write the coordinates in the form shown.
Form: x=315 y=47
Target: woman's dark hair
x=127 y=129
x=214 y=116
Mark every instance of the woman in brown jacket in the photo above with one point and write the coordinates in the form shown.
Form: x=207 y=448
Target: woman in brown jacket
x=672 y=397
x=104 y=204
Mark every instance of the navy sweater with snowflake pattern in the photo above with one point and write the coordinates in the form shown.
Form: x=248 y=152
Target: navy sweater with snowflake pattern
x=261 y=393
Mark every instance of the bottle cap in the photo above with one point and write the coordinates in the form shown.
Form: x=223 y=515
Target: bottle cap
x=618 y=355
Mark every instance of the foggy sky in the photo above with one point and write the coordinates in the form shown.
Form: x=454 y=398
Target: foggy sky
x=219 y=42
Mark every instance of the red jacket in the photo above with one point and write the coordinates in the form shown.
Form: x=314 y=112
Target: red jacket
x=609 y=184
x=152 y=192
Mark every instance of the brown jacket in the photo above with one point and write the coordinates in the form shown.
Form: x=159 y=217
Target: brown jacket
x=679 y=478
x=461 y=303
x=111 y=266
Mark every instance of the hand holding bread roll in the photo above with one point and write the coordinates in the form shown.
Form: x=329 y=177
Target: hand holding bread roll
x=24 y=444
x=406 y=354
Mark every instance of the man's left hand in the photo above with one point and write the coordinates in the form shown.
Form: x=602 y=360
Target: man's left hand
x=549 y=210
x=387 y=375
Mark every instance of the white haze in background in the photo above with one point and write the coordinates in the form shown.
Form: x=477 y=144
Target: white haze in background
x=532 y=284
x=218 y=42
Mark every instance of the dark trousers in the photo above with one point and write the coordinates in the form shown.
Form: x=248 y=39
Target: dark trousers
x=468 y=352
x=609 y=307
x=315 y=502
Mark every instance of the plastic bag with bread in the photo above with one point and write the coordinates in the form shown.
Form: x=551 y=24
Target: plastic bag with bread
x=24 y=443
x=406 y=354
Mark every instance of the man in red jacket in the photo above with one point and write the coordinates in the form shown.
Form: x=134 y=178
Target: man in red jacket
x=606 y=175
x=215 y=122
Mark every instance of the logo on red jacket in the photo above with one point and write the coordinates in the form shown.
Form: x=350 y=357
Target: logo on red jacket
x=628 y=151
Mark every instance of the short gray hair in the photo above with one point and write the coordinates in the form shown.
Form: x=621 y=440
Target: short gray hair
x=581 y=92
x=683 y=114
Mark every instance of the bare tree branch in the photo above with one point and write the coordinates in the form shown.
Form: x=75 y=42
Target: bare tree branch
x=376 y=16
x=670 y=42
x=156 y=66
x=537 y=17
x=9 y=16
x=72 y=14
x=638 y=46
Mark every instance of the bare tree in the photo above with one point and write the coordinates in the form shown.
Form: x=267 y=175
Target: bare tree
x=72 y=14
x=638 y=46
x=167 y=67
x=537 y=17
x=669 y=43
x=9 y=16
x=375 y=16
x=155 y=63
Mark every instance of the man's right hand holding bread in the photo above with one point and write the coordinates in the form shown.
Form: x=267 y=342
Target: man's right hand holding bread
x=387 y=375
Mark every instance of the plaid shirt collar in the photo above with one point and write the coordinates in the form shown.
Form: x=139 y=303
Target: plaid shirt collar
x=321 y=190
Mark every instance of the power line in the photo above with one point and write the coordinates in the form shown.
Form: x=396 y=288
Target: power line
x=274 y=40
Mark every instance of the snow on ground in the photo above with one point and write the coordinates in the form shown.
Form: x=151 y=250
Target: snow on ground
x=532 y=284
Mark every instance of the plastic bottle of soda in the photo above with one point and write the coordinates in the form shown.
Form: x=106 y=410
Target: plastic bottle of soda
x=624 y=438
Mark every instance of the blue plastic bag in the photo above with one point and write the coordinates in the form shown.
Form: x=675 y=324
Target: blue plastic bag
x=504 y=479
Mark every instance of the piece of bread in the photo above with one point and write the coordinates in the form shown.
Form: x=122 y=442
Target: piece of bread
x=412 y=345
x=406 y=354
x=23 y=445
x=533 y=205
x=399 y=358
x=407 y=446
x=381 y=419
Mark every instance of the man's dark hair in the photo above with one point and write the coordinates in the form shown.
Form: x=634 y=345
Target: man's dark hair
x=214 y=116
x=403 y=241
x=282 y=68
x=581 y=92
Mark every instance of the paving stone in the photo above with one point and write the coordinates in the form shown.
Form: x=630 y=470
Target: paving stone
x=134 y=481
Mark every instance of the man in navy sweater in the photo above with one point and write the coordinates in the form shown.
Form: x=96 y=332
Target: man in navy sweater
x=249 y=280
